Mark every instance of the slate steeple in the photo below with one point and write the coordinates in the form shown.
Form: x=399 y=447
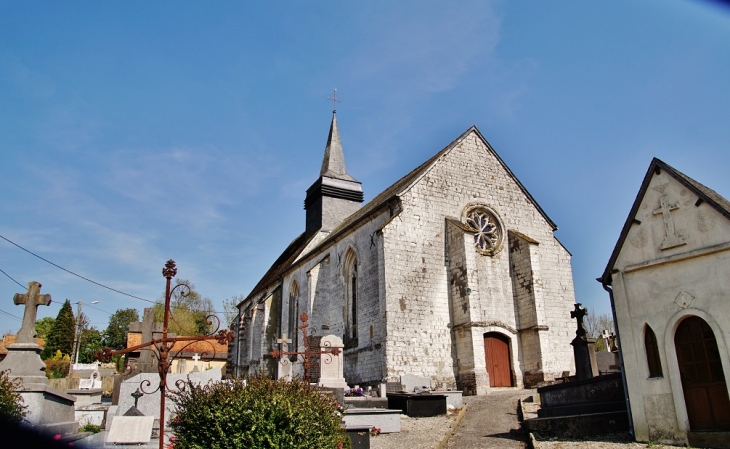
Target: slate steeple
x=336 y=194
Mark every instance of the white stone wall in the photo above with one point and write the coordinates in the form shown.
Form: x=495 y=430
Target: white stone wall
x=661 y=287
x=417 y=288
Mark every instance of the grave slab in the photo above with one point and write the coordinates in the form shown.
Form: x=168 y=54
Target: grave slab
x=388 y=421
x=131 y=430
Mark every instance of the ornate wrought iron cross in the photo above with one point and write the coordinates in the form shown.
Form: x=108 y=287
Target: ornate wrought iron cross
x=161 y=347
x=307 y=354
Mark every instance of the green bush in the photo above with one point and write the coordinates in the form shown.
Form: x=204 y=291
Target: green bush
x=57 y=369
x=88 y=427
x=11 y=403
x=265 y=413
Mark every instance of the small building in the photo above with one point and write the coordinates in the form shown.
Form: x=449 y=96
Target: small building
x=669 y=284
x=452 y=273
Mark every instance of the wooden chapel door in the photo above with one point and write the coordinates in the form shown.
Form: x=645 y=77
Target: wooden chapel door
x=703 y=379
x=496 y=354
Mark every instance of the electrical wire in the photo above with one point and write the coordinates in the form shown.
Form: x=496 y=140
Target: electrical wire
x=11 y=278
x=71 y=272
x=11 y=315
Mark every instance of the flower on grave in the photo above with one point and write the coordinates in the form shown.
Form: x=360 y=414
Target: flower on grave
x=354 y=392
x=57 y=436
x=375 y=431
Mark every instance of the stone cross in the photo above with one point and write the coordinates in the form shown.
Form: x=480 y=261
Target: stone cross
x=671 y=238
x=283 y=342
x=196 y=357
x=32 y=300
x=579 y=313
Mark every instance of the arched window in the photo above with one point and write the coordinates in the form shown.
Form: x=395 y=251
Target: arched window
x=351 y=298
x=652 y=353
x=293 y=328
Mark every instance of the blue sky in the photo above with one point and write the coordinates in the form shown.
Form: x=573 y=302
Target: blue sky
x=132 y=133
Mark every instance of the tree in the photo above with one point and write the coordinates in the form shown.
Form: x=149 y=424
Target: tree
x=43 y=327
x=189 y=312
x=89 y=343
x=230 y=308
x=115 y=335
x=61 y=336
x=595 y=325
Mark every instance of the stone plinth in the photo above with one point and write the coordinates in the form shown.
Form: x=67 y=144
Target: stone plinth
x=388 y=421
x=50 y=409
x=86 y=395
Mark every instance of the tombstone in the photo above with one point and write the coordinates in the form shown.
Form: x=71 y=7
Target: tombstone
x=48 y=408
x=143 y=361
x=149 y=404
x=196 y=359
x=284 y=367
x=131 y=430
x=583 y=347
x=331 y=366
x=412 y=382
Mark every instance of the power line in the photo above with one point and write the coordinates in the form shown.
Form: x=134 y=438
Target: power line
x=10 y=315
x=89 y=305
x=71 y=272
x=10 y=277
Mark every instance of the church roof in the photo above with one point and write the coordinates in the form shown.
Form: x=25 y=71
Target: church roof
x=714 y=199
x=293 y=251
x=333 y=163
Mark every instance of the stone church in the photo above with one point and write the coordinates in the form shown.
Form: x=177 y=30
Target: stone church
x=668 y=279
x=452 y=273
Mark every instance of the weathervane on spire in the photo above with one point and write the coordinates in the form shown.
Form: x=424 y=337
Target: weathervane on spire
x=334 y=101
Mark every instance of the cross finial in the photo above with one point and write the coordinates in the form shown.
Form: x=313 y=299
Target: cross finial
x=32 y=299
x=334 y=100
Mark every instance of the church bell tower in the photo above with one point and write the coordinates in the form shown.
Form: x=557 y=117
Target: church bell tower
x=334 y=195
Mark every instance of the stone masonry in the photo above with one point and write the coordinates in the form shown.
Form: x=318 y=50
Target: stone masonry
x=425 y=295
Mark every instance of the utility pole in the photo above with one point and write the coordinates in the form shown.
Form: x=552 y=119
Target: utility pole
x=77 y=333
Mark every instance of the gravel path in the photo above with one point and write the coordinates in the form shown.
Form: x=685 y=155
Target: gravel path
x=416 y=433
x=491 y=421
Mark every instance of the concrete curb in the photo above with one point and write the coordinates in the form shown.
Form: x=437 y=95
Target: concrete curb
x=450 y=433
x=531 y=442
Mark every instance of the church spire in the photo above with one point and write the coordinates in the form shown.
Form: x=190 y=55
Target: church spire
x=335 y=194
x=333 y=164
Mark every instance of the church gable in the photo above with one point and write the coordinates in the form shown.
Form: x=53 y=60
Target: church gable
x=672 y=215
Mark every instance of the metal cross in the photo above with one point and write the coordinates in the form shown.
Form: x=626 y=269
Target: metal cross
x=136 y=395
x=334 y=100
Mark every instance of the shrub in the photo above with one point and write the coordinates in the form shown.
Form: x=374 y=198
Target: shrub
x=57 y=369
x=263 y=414
x=88 y=427
x=11 y=403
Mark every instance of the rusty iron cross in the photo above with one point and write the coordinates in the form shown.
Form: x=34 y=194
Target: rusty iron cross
x=307 y=353
x=334 y=100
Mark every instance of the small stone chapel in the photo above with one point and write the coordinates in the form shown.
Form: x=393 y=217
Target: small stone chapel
x=668 y=281
x=452 y=273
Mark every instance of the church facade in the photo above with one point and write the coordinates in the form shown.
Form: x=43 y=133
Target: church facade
x=452 y=273
x=668 y=284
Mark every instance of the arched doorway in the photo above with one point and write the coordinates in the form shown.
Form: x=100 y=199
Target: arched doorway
x=496 y=354
x=703 y=379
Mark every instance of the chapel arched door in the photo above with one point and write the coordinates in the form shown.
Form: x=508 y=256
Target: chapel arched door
x=496 y=354
x=703 y=379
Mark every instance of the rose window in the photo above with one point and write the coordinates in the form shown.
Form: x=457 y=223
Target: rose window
x=487 y=231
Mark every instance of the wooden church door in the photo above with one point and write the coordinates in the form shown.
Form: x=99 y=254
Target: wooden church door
x=703 y=379
x=496 y=353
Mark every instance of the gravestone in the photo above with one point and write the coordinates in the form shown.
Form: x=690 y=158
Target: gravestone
x=48 y=408
x=131 y=430
x=583 y=347
x=411 y=382
x=149 y=404
x=331 y=365
x=196 y=359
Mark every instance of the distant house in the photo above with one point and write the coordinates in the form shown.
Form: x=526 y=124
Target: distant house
x=185 y=355
x=669 y=279
x=9 y=339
